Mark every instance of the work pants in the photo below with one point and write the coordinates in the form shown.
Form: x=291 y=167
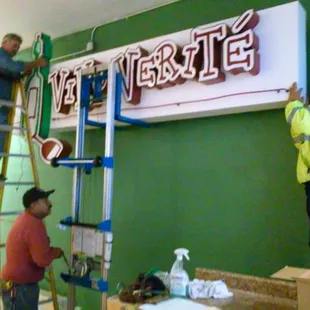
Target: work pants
x=307 y=190
x=21 y=297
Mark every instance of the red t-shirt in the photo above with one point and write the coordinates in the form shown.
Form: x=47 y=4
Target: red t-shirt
x=28 y=250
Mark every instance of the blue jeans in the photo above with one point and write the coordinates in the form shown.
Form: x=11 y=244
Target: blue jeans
x=26 y=298
x=4 y=118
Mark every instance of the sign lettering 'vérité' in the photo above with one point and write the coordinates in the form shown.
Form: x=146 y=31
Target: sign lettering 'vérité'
x=211 y=52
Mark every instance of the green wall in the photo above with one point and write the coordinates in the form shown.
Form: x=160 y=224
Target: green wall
x=224 y=187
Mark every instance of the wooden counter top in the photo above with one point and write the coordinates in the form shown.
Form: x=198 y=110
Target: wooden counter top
x=251 y=293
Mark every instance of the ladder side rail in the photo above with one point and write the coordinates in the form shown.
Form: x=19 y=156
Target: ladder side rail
x=7 y=144
x=5 y=159
x=37 y=184
x=29 y=137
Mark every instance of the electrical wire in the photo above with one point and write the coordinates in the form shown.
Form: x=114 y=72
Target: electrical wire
x=92 y=36
x=130 y=15
x=137 y=108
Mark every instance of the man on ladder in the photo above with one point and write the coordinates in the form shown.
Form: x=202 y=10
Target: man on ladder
x=10 y=71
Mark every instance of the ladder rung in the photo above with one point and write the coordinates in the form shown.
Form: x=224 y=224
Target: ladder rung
x=10 y=104
x=11 y=128
x=16 y=183
x=42 y=302
x=10 y=213
x=15 y=155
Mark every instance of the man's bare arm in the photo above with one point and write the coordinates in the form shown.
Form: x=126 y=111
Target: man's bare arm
x=40 y=62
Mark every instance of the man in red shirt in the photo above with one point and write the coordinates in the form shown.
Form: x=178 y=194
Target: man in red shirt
x=28 y=252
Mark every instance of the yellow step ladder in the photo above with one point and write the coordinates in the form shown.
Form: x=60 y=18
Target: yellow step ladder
x=19 y=86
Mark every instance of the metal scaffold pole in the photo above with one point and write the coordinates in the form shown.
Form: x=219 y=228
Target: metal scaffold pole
x=108 y=179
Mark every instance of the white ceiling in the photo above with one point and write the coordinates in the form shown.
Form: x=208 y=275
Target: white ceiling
x=61 y=17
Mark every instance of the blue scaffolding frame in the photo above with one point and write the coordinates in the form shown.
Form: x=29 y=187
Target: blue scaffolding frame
x=91 y=90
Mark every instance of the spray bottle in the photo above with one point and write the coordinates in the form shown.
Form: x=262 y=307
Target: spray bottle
x=179 y=279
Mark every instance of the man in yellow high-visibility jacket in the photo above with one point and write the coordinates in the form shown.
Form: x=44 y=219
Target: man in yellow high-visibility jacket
x=297 y=115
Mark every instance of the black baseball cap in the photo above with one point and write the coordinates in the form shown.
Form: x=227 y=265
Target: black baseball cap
x=34 y=194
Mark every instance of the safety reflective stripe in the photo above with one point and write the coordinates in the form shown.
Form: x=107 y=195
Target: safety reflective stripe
x=292 y=114
x=301 y=138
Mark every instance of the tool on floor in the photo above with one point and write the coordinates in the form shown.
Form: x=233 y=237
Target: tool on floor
x=146 y=285
x=26 y=130
x=92 y=242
